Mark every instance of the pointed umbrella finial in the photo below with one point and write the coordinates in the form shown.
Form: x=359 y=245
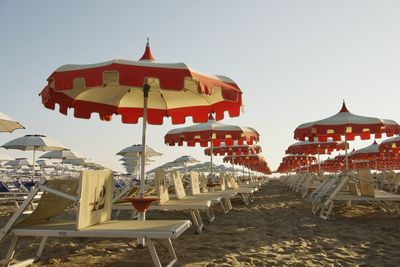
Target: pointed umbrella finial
x=344 y=108
x=147 y=56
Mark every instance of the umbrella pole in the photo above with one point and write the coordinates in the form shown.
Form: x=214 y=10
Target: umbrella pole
x=146 y=89
x=33 y=167
x=346 y=157
x=211 y=159
x=319 y=161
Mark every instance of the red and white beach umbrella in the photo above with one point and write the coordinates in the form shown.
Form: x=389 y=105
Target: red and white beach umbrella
x=346 y=124
x=234 y=149
x=218 y=132
x=144 y=88
x=316 y=148
x=213 y=133
x=390 y=145
x=370 y=152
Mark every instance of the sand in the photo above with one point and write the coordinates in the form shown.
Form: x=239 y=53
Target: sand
x=279 y=229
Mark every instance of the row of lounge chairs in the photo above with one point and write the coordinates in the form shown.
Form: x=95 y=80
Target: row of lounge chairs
x=346 y=187
x=94 y=198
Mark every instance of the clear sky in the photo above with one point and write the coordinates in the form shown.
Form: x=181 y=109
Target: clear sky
x=294 y=61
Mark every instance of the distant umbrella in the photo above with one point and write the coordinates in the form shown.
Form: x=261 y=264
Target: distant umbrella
x=33 y=142
x=8 y=125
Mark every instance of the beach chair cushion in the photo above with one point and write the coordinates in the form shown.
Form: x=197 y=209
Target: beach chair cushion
x=95 y=198
x=51 y=205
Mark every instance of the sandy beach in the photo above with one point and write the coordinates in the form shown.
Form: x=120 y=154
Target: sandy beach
x=278 y=229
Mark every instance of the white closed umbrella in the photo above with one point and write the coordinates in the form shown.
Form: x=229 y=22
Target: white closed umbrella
x=33 y=142
x=8 y=124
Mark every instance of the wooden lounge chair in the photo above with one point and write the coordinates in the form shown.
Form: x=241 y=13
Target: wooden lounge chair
x=92 y=220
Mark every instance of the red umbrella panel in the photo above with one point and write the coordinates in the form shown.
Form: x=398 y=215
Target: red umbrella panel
x=144 y=88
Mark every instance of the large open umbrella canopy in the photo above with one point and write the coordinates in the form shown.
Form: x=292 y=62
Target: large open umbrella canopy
x=316 y=148
x=61 y=154
x=144 y=88
x=390 y=145
x=8 y=124
x=234 y=149
x=136 y=151
x=213 y=133
x=34 y=142
x=185 y=160
x=346 y=124
x=18 y=162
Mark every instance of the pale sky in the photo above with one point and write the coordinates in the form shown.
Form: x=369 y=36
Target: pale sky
x=294 y=61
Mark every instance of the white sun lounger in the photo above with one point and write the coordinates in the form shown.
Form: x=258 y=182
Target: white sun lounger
x=193 y=206
x=93 y=217
x=388 y=202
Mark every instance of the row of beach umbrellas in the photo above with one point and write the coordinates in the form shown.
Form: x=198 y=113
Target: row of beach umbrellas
x=325 y=136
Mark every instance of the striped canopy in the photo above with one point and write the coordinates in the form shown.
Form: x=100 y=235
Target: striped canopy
x=116 y=87
x=347 y=124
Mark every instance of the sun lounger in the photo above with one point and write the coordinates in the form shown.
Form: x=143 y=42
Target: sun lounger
x=166 y=203
x=366 y=193
x=92 y=220
x=223 y=196
x=245 y=192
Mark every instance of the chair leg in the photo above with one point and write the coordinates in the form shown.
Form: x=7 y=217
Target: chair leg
x=245 y=200
x=197 y=221
x=11 y=250
x=228 y=203
x=41 y=247
x=153 y=253
x=167 y=243
x=224 y=209
x=210 y=215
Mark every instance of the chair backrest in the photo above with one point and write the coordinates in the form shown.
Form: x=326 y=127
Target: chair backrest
x=232 y=181
x=96 y=190
x=203 y=183
x=194 y=181
x=51 y=205
x=4 y=188
x=353 y=188
x=222 y=178
x=179 y=189
x=162 y=188
x=366 y=183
